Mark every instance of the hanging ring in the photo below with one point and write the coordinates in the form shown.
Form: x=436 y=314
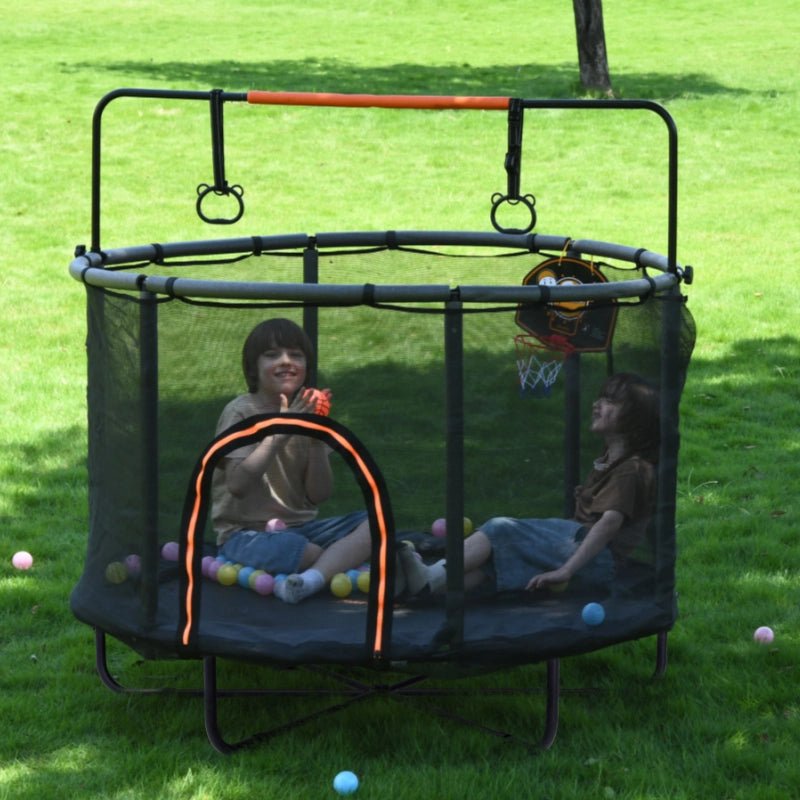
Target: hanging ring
x=528 y=200
x=204 y=189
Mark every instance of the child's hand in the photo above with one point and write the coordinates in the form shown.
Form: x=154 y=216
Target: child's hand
x=553 y=579
x=309 y=401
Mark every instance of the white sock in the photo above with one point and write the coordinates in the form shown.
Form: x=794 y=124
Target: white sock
x=298 y=587
x=437 y=576
x=419 y=575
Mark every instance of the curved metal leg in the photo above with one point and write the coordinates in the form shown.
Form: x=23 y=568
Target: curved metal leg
x=661 y=655
x=553 y=694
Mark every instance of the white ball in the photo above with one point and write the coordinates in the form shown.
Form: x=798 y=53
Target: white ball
x=763 y=635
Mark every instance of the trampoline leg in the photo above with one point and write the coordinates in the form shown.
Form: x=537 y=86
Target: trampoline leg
x=210 y=706
x=101 y=663
x=661 y=655
x=553 y=693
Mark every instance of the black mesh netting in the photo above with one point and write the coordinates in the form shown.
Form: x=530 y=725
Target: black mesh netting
x=161 y=369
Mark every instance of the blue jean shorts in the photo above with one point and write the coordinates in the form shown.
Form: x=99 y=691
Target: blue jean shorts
x=281 y=551
x=522 y=548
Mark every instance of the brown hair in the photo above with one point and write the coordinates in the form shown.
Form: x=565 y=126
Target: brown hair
x=271 y=333
x=639 y=413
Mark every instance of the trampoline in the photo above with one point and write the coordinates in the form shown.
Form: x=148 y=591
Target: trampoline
x=435 y=317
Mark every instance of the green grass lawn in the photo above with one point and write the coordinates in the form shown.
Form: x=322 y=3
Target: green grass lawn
x=725 y=721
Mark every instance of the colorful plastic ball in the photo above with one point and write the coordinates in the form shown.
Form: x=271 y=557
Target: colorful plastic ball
x=558 y=587
x=276 y=525
x=763 y=635
x=593 y=614
x=244 y=577
x=439 y=527
x=116 y=572
x=170 y=551
x=22 y=560
x=353 y=575
x=264 y=584
x=341 y=585
x=362 y=581
x=213 y=569
x=133 y=565
x=227 y=574
x=251 y=581
x=206 y=564
x=345 y=782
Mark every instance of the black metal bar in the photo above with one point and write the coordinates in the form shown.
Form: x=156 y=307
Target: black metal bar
x=148 y=394
x=661 y=655
x=553 y=694
x=672 y=168
x=454 y=480
x=311 y=312
x=165 y=94
x=211 y=716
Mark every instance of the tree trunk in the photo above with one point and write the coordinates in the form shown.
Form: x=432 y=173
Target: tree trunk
x=592 y=56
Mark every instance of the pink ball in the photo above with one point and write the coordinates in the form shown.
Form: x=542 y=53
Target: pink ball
x=276 y=525
x=763 y=635
x=264 y=584
x=22 y=560
x=170 y=551
x=439 y=528
x=213 y=569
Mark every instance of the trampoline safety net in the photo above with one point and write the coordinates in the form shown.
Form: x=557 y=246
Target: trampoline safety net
x=162 y=367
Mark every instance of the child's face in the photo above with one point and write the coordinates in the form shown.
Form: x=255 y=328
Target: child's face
x=605 y=416
x=281 y=370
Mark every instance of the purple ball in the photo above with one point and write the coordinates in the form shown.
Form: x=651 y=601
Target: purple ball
x=170 y=551
x=213 y=569
x=133 y=564
x=264 y=584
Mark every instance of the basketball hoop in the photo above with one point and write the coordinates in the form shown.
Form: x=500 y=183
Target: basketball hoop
x=539 y=363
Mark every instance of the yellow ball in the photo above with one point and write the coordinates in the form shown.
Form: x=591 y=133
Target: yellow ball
x=227 y=574
x=363 y=581
x=468 y=527
x=341 y=585
x=116 y=572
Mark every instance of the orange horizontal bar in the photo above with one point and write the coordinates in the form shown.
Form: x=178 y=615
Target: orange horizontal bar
x=377 y=100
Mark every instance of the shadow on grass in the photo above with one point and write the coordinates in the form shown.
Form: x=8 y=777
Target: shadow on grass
x=337 y=75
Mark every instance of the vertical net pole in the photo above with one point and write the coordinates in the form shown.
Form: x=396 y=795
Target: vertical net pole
x=572 y=429
x=148 y=366
x=671 y=386
x=454 y=505
x=311 y=313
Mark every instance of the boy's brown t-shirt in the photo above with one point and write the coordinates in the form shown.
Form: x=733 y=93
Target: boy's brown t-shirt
x=626 y=486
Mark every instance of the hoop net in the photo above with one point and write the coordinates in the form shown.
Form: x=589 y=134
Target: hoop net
x=539 y=364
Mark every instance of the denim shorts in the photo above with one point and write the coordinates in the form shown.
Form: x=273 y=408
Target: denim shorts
x=522 y=548
x=281 y=551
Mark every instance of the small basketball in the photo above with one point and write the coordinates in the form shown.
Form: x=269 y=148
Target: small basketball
x=322 y=401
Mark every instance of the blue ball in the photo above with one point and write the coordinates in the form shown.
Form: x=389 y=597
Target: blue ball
x=244 y=576
x=593 y=614
x=353 y=575
x=345 y=782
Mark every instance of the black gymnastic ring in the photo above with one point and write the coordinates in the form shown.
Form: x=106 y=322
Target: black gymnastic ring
x=203 y=190
x=527 y=200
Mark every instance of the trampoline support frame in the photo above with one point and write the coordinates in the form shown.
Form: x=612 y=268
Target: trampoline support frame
x=354 y=691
